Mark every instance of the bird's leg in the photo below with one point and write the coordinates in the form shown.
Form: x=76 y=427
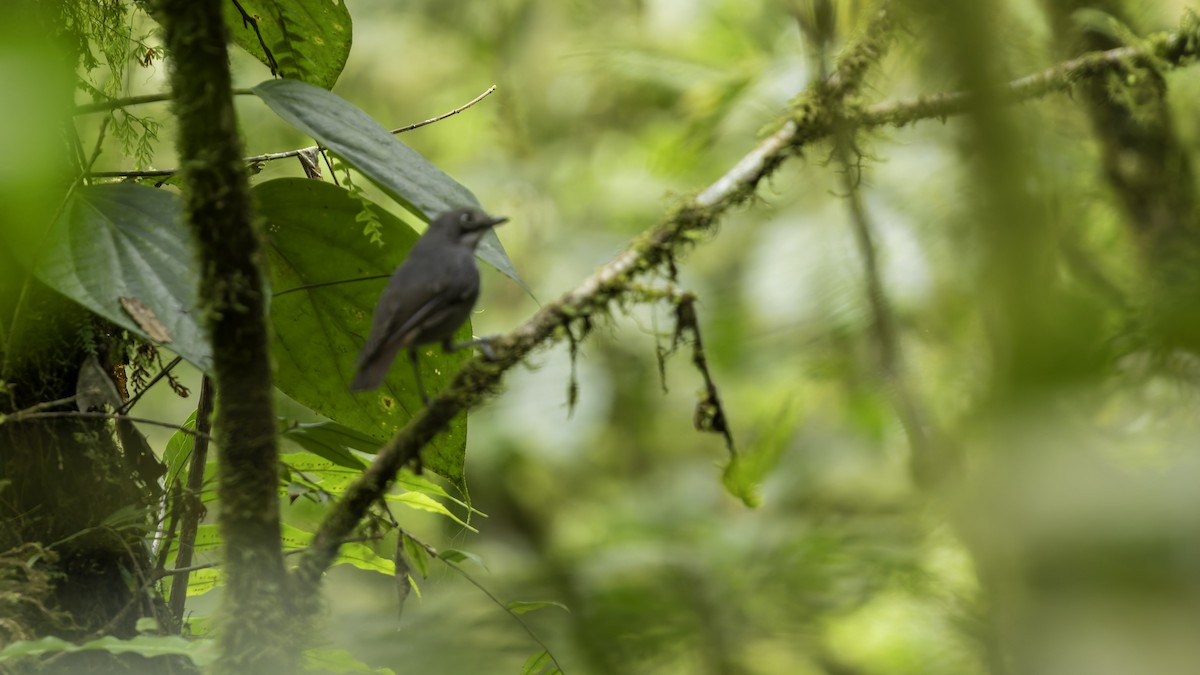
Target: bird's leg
x=484 y=344
x=412 y=356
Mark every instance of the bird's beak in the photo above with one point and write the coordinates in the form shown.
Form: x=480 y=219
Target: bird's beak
x=497 y=221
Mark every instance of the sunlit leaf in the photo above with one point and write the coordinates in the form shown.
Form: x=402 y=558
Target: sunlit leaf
x=417 y=554
x=747 y=468
x=423 y=502
x=524 y=606
x=361 y=556
x=536 y=663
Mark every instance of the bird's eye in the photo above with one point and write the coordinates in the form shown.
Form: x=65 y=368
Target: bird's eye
x=465 y=217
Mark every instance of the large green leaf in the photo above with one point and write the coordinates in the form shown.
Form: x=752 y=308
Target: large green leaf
x=398 y=169
x=318 y=332
x=201 y=652
x=121 y=247
x=310 y=39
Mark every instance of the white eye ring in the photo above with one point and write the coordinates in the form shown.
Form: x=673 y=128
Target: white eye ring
x=465 y=217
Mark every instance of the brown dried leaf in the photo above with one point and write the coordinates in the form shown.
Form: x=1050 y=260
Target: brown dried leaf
x=145 y=318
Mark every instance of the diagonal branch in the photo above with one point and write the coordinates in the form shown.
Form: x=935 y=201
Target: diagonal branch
x=1164 y=49
x=652 y=251
x=811 y=118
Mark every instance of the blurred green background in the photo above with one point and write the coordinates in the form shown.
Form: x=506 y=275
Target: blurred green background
x=1069 y=544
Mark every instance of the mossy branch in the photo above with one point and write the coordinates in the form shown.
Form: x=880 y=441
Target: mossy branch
x=1174 y=50
x=651 y=252
x=812 y=117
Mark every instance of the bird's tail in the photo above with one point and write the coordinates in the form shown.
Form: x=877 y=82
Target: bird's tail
x=371 y=372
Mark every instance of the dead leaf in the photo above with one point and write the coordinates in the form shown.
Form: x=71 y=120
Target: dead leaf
x=145 y=318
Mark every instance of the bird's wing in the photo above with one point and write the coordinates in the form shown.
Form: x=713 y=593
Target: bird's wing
x=394 y=328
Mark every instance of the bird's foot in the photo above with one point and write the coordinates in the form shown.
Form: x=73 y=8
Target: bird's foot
x=483 y=343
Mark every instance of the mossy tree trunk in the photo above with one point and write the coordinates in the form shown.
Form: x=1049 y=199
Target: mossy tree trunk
x=256 y=613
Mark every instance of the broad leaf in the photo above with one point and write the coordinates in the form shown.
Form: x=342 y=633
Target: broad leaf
x=367 y=146
x=309 y=39
x=339 y=661
x=332 y=441
x=122 y=251
x=201 y=652
x=318 y=332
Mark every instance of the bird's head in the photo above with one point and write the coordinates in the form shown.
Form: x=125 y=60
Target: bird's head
x=466 y=225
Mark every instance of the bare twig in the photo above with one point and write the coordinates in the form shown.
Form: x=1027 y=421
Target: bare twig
x=15 y=418
x=322 y=284
x=273 y=156
x=443 y=116
x=113 y=104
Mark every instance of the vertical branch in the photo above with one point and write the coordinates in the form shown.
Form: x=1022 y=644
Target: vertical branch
x=1148 y=167
x=217 y=206
x=930 y=462
x=188 y=500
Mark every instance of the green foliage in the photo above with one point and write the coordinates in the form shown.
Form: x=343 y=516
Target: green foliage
x=201 y=652
x=1016 y=281
x=122 y=252
x=313 y=239
x=308 y=40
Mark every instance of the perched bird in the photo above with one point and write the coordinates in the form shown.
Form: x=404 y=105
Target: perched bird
x=428 y=297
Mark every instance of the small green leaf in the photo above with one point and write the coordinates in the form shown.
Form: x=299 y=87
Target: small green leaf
x=423 y=502
x=536 y=663
x=361 y=556
x=525 y=606
x=366 y=145
x=746 y=469
x=453 y=555
x=178 y=453
x=331 y=440
x=417 y=554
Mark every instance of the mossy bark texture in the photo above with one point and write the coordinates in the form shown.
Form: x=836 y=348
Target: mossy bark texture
x=256 y=621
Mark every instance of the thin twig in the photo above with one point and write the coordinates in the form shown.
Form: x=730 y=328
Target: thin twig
x=38 y=407
x=322 y=284
x=452 y=113
x=273 y=156
x=176 y=571
x=10 y=419
x=113 y=104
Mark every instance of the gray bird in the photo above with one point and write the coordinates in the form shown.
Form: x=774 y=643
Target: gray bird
x=428 y=297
